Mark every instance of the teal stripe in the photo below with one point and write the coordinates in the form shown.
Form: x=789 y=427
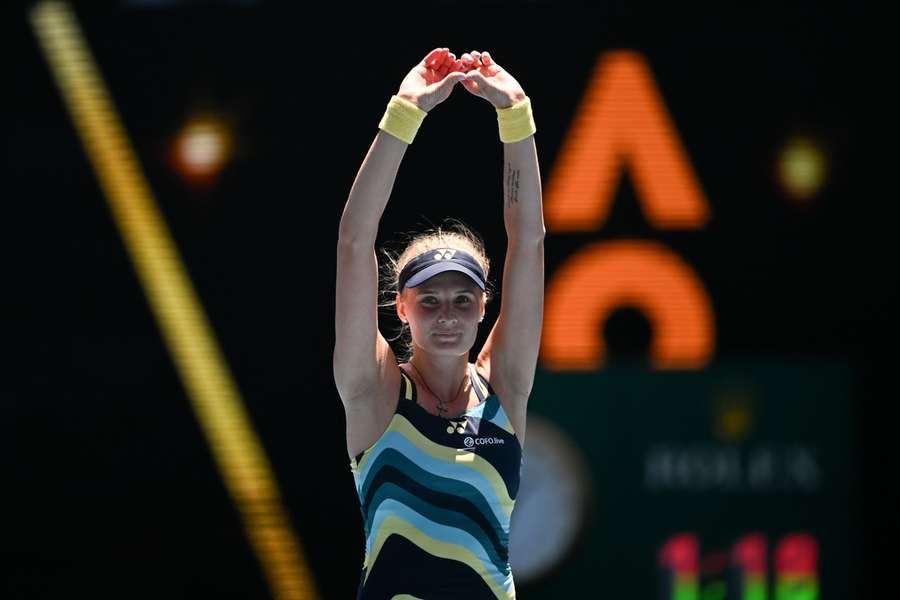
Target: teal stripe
x=446 y=485
x=495 y=414
x=437 y=516
x=446 y=534
x=414 y=459
x=492 y=404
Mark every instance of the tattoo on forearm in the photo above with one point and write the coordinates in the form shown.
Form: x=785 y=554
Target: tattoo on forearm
x=512 y=185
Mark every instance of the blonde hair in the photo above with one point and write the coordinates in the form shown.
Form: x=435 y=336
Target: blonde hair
x=451 y=234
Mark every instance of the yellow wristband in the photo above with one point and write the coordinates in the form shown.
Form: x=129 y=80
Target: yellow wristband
x=402 y=119
x=516 y=122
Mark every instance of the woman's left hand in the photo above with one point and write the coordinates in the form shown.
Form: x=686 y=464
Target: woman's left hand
x=486 y=79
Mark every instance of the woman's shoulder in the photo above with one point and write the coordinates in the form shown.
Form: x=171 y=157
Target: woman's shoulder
x=377 y=390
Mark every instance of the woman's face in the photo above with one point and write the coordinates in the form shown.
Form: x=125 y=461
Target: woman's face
x=443 y=313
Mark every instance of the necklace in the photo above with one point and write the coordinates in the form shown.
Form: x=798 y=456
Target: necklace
x=442 y=406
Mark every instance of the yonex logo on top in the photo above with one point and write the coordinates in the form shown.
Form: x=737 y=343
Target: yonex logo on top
x=444 y=254
x=457 y=427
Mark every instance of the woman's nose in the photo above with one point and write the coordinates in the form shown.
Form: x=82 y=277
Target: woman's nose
x=446 y=315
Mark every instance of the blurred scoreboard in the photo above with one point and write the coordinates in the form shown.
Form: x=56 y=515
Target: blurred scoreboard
x=729 y=482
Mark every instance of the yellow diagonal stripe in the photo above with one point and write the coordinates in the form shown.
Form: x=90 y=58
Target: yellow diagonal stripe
x=216 y=401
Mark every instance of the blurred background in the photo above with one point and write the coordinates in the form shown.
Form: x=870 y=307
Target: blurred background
x=709 y=416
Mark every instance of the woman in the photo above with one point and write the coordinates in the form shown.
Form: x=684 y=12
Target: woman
x=436 y=442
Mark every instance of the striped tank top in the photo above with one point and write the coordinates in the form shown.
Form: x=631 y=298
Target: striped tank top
x=436 y=496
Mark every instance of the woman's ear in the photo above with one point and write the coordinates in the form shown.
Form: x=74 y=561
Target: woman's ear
x=401 y=308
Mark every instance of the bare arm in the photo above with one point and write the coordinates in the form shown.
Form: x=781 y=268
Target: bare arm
x=360 y=350
x=362 y=356
x=516 y=336
x=510 y=352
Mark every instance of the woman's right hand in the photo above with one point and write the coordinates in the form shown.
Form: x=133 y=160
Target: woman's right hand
x=430 y=82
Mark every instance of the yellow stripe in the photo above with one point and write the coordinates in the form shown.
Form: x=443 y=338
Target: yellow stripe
x=477 y=379
x=447 y=455
x=407 y=386
x=216 y=401
x=447 y=550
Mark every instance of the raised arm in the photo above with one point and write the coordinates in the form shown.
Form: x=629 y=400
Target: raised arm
x=511 y=350
x=361 y=354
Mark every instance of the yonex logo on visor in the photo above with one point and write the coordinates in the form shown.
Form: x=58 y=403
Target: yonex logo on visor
x=440 y=260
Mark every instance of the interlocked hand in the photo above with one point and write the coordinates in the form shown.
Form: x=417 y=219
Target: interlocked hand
x=486 y=79
x=430 y=82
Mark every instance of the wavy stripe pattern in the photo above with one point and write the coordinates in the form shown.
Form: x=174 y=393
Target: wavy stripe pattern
x=448 y=495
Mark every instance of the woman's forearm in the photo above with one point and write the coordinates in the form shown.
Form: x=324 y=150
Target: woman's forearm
x=522 y=212
x=426 y=85
x=371 y=189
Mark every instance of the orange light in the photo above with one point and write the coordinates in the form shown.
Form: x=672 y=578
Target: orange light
x=202 y=148
x=606 y=276
x=622 y=124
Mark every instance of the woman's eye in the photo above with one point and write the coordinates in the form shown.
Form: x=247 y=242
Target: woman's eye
x=463 y=300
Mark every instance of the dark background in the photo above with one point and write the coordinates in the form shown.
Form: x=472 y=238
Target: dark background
x=108 y=486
